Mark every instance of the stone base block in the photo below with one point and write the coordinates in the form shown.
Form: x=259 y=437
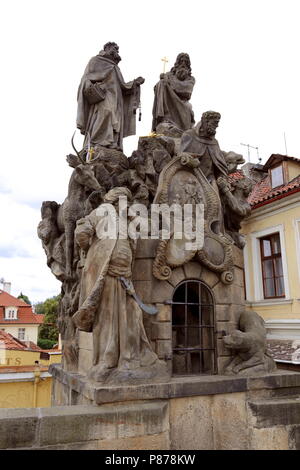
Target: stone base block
x=190 y=412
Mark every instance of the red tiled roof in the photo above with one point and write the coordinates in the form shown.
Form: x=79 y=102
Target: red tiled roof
x=7 y=300
x=7 y=341
x=10 y=342
x=25 y=313
x=284 y=350
x=33 y=347
x=237 y=175
x=25 y=316
x=263 y=191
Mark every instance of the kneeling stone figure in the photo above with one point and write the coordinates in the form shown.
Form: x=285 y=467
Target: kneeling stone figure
x=249 y=344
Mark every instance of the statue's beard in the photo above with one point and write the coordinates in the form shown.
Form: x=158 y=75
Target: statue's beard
x=182 y=73
x=211 y=130
x=207 y=130
x=114 y=56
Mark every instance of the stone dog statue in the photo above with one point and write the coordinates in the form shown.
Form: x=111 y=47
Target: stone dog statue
x=249 y=344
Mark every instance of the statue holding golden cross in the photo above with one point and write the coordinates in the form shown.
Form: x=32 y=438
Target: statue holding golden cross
x=164 y=60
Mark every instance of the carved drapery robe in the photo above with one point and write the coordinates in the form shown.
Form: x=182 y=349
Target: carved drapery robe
x=171 y=102
x=113 y=118
x=192 y=142
x=119 y=337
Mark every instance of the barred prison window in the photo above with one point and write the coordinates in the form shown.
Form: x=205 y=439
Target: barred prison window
x=193 y=329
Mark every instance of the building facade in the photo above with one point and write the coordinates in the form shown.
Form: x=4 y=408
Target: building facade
x=272 y=252
x=18 y=319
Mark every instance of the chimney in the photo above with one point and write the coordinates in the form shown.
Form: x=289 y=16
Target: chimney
x=7 y=287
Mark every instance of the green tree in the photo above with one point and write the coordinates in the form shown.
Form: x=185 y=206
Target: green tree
x=25 y=298
x=48 y=331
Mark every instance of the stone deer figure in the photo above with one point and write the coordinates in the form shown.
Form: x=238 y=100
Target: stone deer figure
x=73 y=207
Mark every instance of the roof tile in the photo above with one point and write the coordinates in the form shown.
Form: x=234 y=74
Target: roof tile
x=25 y=313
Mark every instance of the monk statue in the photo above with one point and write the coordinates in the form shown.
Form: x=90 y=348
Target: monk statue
x=201 y=142
x=172 y=112
x=106 y=104
x=108 y=304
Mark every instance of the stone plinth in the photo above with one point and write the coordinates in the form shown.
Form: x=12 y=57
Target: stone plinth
x=205 y=413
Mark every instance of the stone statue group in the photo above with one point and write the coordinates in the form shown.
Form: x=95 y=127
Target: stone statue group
x=179 y=161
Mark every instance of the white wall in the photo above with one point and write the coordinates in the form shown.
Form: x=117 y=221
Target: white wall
x=31 y=331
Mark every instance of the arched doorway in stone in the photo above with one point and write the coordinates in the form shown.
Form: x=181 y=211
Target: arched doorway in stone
x=193 y=329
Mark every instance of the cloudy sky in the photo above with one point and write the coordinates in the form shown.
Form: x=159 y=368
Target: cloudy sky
x=245 y=58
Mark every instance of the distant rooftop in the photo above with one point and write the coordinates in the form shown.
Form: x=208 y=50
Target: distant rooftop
x=25 y=313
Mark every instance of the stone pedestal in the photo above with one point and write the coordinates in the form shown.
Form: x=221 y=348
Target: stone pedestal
x=201 y=412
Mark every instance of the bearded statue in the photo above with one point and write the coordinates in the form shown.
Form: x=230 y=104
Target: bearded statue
x=172 y=112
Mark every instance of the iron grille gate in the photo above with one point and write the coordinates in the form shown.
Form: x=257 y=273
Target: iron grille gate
x=193 y=329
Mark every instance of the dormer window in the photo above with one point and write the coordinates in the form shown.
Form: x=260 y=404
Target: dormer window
x=277 y=176
x=11 y=313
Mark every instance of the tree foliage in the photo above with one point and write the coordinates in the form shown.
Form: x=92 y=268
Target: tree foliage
x=48 y=330
x=25 y=298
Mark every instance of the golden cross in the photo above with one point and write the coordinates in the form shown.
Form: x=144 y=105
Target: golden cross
x=91 y=152
x=164 y=60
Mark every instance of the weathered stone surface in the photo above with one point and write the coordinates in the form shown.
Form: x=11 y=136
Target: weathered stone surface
x=209 y=277
x=228 y=313
x=164 y=349
x=221 y=348
x=177 y=386
x=192 y=270
x=162 y=291
x=191 y=423
x=275 y=380
x=18 y=427
x=225 y=327
x=235 y=312
x=249 y=345
x=229 y=416
x=84 y=423
x=238 y=257
x=276 y=438
x=177 y=276
x=82 y=427
x=294 y=437
x=85 y=340
x=238 y=277
x=85 y=361
x=222 y=362
x=161 y=330
x=60 y=393
x=164 y=312
x=146 y=248
x=142 y=270
x=149 y=442
x=229 y=294
x=272 y=412
x=144 y=290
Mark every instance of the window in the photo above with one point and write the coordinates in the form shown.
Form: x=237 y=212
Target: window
x=21 y=334
x=277 y=176
x=11 y=313
x=272 y=271
x=193 y=329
